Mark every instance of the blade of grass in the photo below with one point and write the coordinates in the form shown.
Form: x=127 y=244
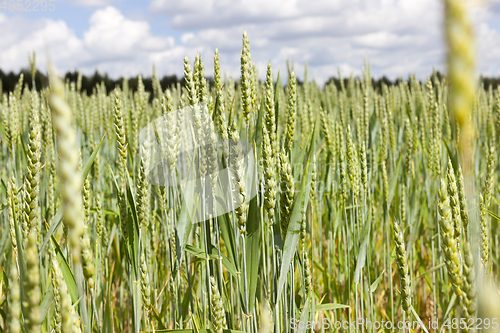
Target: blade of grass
x=252 y=249
x=375 y=283
x=69 y=278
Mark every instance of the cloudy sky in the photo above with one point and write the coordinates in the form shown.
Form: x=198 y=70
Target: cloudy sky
x=125 y=37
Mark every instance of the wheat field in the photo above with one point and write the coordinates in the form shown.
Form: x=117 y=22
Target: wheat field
x=251 y=206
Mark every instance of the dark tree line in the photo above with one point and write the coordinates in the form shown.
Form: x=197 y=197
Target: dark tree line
x=486 y=82
x=9 y=80
x=378 y=83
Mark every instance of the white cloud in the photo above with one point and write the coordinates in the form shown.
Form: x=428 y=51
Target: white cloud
x=25 y=35
x=112 y=36
x=398 y=37
x=92 y=3
x=112 y=44
x=488 y=50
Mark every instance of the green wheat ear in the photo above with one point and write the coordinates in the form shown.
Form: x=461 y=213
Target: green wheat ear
x=269 y=175
x=57 y=320
x=70 y=178
x=246 y=78
x=463 y=202
x=145 y=285
x=449 y=243
x=353 y=171
x=409 y=140
x=122 y=161
x=469 y=283
x=484 y=232
x=32 y=285
x=32 y=181
x=217 y=79
x=269 y=111
x=12 y=212
x=490 y=177
x=287 y=186
x=190 y=83
x=402 y=267
x=364 y=168
x=14 y=300
x=291 y=111
x=343 y=177
x=238 y=178
x=454 y=201
x=326 y=129
x=201 y=87
x=87 y=255
x=218 y=315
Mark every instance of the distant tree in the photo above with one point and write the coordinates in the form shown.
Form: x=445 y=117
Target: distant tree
x=89 y=83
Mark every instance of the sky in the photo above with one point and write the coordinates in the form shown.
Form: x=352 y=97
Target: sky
x=126 y=38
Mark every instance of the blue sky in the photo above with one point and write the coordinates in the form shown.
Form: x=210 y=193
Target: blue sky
x=77 y=15
x=124 y=37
